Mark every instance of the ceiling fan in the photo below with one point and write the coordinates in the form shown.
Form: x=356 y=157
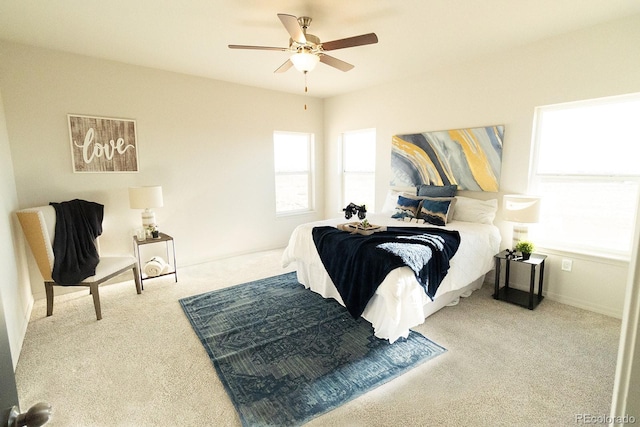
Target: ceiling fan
x=307 y=49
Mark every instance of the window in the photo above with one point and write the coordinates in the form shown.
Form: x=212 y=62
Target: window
x=293 y=171
x=359 y=168
x=587 y=171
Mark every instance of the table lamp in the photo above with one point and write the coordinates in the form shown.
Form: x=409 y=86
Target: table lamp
x=521 y=210
x=146 y=198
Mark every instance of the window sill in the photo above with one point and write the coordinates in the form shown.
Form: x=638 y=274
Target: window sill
x=284 y=215
x=585 y=255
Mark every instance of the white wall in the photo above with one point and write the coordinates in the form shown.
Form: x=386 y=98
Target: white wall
x=14 y=283
x=502 y=89
x=208 y=143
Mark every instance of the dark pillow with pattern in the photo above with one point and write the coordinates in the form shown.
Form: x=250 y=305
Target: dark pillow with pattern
x=437 y=190
x=434 y=211
x=406 y=208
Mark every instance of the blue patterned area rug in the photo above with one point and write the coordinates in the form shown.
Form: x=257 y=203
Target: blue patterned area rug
x=286 y=355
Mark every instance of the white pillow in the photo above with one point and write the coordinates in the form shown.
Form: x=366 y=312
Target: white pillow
x=474 y=210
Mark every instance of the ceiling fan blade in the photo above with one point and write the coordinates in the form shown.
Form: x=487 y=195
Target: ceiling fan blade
x=364 y=39
x=284 y=67
x=292 y=26
x=335 y=62
x=240 y=46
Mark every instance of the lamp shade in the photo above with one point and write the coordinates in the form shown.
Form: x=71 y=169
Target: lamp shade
x=521 y=209
x=145 y=197
x=304 y=61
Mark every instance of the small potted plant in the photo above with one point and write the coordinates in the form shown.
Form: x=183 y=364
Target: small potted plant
x=525 y=247
x=152 y=231
x=365 y=228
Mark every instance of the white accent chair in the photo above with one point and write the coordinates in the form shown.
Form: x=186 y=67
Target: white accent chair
x=38 y=225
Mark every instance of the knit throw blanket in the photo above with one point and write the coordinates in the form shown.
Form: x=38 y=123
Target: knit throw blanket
x=358 y=264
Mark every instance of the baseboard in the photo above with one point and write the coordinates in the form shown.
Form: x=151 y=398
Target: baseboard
x=231 y=255
x=585 y=305
x=563 y=299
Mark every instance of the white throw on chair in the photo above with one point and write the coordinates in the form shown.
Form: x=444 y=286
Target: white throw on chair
x=38 y=225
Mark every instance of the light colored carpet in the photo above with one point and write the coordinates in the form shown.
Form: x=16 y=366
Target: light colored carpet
x=142 y=364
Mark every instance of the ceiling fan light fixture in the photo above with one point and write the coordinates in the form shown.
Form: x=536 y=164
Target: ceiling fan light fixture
x=304 y=61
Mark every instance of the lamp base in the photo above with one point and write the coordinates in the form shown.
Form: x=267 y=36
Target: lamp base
x=520 y=232
x=148 y=218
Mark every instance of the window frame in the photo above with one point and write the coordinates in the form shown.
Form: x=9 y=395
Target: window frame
x=309 y=172
x=537 y=180
x=345 y=173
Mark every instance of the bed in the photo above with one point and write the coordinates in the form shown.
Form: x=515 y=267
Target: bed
x=400 y=303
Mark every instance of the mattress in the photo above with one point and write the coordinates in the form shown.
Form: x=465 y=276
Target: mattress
x=399 y=303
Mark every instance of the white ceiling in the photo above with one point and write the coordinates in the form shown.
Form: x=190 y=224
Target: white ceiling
x=191 y=36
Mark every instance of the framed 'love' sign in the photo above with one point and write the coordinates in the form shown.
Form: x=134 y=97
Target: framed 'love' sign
x=103 y=144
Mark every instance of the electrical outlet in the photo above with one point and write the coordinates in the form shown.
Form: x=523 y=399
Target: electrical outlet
x=567 y=264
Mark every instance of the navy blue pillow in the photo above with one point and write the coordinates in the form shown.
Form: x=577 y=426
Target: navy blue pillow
x=434 y=211
x=406 y=208
x=437 y=190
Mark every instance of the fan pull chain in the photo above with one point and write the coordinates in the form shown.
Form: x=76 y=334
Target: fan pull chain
x=306 y=89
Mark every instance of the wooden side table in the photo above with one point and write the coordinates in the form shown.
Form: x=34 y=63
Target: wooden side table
x=516 y=296
x=171 y=257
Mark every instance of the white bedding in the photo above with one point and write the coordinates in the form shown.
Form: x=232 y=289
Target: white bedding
x=400 y=302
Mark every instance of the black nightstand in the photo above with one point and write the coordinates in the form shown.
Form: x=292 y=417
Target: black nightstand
x=516 y=296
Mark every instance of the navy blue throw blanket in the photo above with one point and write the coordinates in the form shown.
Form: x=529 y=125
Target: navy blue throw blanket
x=78 y=224
x=358 y=264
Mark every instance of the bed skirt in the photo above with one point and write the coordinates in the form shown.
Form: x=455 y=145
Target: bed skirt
x=390 y=319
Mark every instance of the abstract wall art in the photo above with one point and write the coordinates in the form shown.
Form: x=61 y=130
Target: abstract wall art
x=103 y=144
x=470 y=158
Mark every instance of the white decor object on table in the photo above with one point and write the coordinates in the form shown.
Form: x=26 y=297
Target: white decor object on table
x=521 y=210
x=146 y=198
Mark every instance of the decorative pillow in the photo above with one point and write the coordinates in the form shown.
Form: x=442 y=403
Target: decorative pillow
x=392 y=198
x=437 y=190
x=406 y=208
x=451 y=200
x=434 y=211
x=473 y=210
